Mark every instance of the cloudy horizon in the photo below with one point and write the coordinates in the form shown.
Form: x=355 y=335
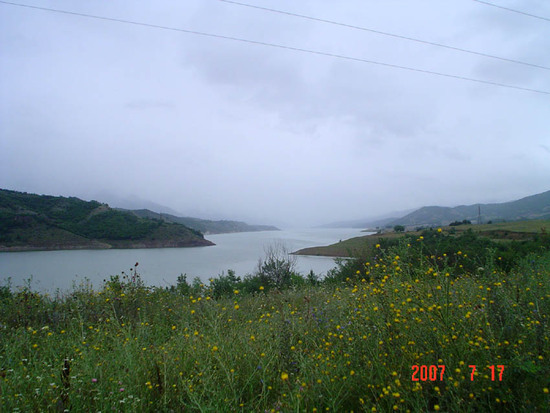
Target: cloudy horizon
x=225 y=129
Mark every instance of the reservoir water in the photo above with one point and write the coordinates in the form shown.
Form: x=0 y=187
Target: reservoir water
x=51 y=270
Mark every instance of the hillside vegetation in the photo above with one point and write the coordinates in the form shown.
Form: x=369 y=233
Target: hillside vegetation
x=29 y=221
x=499 y=234
x=434 y=322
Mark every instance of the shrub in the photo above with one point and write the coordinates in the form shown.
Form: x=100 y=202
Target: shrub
x=277 y=266
x=224 y=285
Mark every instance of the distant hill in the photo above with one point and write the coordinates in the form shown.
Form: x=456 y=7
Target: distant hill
x=42 y=222
x=531 y=207
x=374 y=222
x=203 y=225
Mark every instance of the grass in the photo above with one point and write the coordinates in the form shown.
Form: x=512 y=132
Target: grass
x=348 y=345
x=529 y=226
x=503 y=231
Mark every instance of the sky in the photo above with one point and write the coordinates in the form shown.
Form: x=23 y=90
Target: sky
x=332 y=126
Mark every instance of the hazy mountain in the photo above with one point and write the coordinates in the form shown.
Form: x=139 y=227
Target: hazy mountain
x=531 y=207
x=203 y=225
x=132 y=202
x=373 y=222
x=42 y=222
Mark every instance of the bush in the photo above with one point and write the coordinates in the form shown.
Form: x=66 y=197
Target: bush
x=277 y=266
x=224 y=285
x=463 y=222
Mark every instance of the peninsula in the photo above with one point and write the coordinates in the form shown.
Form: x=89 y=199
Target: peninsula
x=41 y=222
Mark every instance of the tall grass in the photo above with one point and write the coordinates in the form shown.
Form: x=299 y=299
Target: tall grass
x=346 y=344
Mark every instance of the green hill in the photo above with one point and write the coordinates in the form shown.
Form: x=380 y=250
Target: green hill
x=42 y=222
x=531 y=207
x=203 y=225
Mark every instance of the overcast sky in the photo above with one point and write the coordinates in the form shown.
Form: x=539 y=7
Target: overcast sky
x=218 y=128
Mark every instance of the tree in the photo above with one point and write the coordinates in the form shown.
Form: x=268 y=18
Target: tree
x=277 y=267
x=399 y=228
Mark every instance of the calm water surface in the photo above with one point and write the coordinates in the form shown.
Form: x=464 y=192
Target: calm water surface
x=240 y=252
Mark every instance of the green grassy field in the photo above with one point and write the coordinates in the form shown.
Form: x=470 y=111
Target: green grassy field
x=499 y=231
x=409 y=331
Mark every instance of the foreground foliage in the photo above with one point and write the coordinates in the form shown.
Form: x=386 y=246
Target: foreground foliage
x=346 y=344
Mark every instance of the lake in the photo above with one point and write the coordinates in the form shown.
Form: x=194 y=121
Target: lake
x=51 y=270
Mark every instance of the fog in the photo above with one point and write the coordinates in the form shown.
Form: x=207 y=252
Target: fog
x=303 y=123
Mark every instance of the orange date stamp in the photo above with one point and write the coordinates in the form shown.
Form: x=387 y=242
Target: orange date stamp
x=436 y=372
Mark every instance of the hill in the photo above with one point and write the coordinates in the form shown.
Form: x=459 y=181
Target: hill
x=42 y=222
x=379 y=221
x=203 y=225
x=531 y=207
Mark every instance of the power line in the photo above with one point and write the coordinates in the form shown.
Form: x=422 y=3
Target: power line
x=297 y=49
x=512 y=10
x=412 y=39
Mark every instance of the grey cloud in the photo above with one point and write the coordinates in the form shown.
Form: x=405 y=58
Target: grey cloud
x=226 y=129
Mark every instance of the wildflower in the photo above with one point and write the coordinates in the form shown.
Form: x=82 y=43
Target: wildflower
x=215 y=348
x=284 y=376
x=236 y=306
x=94 y=380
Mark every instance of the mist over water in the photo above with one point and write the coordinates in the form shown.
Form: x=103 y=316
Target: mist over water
x=51 y=270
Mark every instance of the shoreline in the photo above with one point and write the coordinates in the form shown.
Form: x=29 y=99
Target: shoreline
x=342 y=249
x=105 y=246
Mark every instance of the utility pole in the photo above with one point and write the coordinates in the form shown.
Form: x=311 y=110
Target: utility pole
x=479 y=215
